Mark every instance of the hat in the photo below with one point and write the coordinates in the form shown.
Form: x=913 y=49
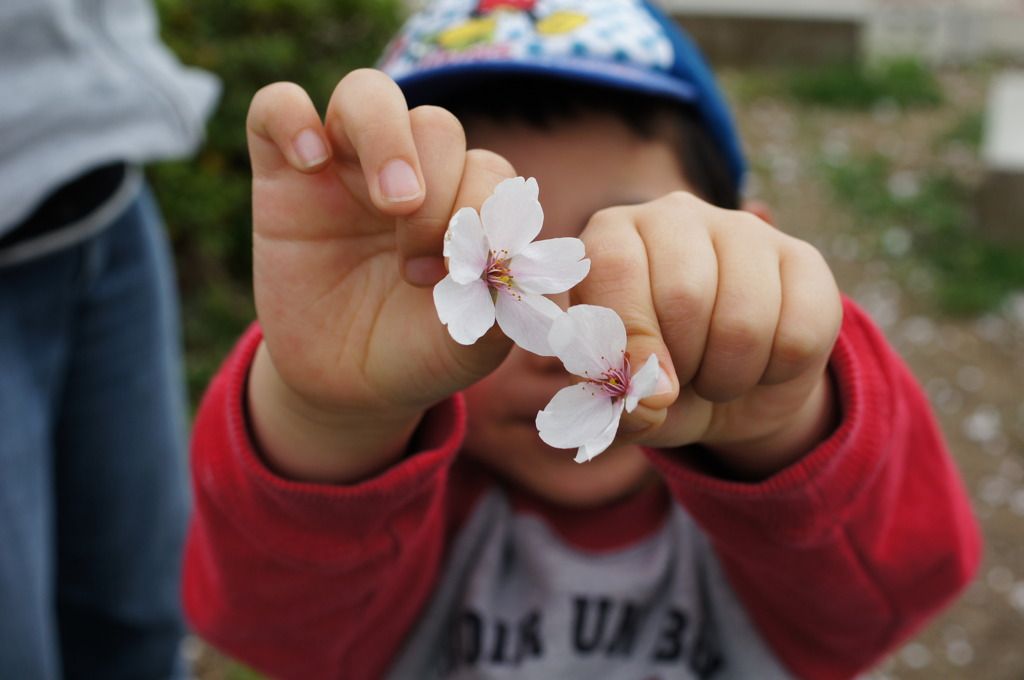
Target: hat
x=626 y=45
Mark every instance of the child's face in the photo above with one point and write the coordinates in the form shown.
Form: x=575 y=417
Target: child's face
x=581 y=167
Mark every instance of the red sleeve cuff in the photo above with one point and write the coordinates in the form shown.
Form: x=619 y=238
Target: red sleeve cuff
x=302 y=521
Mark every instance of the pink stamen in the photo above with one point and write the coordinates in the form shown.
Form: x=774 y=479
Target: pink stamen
x=615 y=381
x=498 y=275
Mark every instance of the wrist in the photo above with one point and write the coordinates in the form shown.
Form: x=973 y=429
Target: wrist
x=303 y=441
x=759 y=457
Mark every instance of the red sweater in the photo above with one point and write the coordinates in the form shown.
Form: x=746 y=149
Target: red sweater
x=834 y=560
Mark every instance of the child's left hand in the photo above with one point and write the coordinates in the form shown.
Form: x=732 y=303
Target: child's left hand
x=741 y=315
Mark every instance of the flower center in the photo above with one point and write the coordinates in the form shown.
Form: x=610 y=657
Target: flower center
x=615 y=381
x=498 y=274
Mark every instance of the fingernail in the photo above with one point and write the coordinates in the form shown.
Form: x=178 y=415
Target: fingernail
x=398 y=181
x=310 y=148
x=664 y=384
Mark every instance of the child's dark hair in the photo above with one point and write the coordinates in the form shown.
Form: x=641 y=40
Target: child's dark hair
x=542 y=103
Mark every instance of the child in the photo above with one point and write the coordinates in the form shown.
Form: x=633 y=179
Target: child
x=373 y=498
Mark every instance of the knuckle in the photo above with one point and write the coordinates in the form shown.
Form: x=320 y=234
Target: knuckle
x=608 y=219
x=355 y=85
x=610 y=261
x=361 y=76
x=795 y=350
x=685 y=292
x=439 y=119
x=750 y=225
x=687 y=207
x=796 y=347
x=683 y=200
x=736 y=336
x=483 y=160
x=805 y=251
x=681 y=306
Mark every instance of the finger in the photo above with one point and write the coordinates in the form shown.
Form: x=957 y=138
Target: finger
x=803 y=341
x=441 y=147
x=684 y=422
x=620 y=278
x=482 y=171
x=746 y=311
x=422 y=238
x=684 y=279
x=369 y=125
x=284 y=132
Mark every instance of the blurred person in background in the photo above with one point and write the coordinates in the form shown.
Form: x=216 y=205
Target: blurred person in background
x=93 y=501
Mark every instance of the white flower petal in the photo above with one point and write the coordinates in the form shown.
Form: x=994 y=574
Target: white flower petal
x=550 y=266
x=527 y=320
x=575 y=415
x=467 y=309
x=589 y=340
x=465 y=246
x=592 y=447
x=512 y=216
x=642 y=383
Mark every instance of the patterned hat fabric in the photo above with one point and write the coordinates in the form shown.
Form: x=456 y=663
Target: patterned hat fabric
x=621 y=44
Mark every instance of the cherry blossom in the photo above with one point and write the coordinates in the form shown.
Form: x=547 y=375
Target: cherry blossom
x=497 y=272
x=591 y=342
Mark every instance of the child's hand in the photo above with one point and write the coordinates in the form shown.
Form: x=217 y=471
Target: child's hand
x=744 y=315
x=342 y=211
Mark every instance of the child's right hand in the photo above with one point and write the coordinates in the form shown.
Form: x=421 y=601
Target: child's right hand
x=348 y=222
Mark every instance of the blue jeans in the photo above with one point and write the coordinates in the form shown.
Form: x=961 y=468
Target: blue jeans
x=93 y=500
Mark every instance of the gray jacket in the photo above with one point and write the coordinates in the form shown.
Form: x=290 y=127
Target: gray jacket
x=84 y=83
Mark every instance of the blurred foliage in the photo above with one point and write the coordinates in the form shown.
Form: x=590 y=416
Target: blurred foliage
x=848 y=85
x=968 y=130
x=904 y=82
x=971 y=274
x=206 y=200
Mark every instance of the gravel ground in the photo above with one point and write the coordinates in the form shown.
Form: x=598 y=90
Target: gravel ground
x=971 y=368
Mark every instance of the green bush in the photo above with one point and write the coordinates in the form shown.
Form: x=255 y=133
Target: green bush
x=972 y=274
x=206 y=200
x=843 y=85
x=968 y=130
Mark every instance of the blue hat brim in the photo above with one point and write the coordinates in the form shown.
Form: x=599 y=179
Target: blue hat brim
x=428 y=87
x=440 y=82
